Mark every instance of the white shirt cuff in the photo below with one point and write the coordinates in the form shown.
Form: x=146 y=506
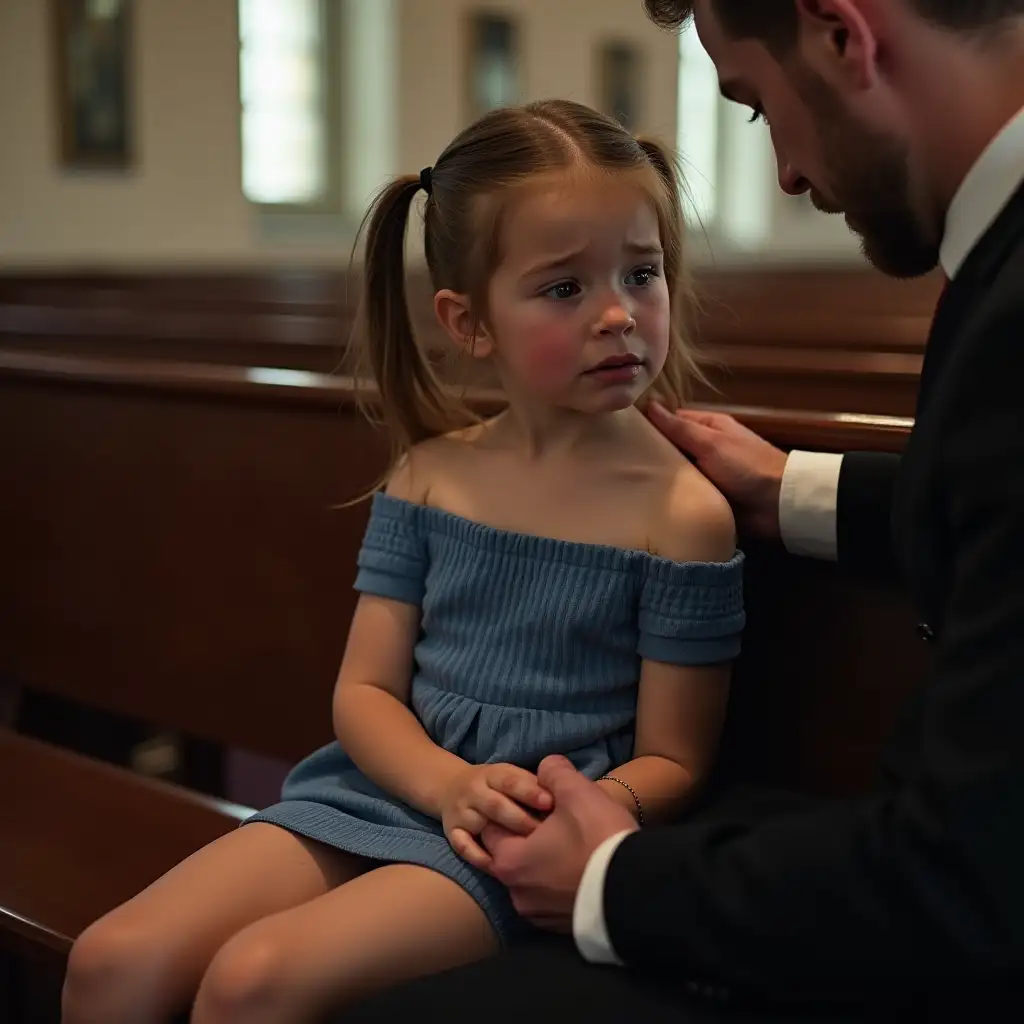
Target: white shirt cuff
x=807 y=504
x=588 y=924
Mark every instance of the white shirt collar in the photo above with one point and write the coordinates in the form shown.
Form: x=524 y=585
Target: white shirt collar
x=988 y=187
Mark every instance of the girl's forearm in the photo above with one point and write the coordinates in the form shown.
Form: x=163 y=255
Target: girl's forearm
x=389 y=745
x=663 y=787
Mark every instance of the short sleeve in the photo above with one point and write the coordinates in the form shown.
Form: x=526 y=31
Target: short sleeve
x=691 y=613
x=393 y=559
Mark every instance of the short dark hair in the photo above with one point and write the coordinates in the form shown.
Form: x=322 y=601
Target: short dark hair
x=774 y=21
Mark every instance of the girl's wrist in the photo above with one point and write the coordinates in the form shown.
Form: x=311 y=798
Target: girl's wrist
x=440 y=784
x=623 y=793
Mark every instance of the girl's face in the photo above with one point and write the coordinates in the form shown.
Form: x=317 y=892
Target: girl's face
x=578 y=308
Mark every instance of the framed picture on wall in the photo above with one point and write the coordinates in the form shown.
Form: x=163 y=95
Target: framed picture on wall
x=494 y=76
x=93 y=65
x=619 y=82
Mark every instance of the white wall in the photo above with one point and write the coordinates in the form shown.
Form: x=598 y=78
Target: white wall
x=559 y=40
x=183 y=200
x=404 y=71
x=182 y=203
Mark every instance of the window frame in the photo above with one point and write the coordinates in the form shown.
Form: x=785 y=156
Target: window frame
x=330 y=50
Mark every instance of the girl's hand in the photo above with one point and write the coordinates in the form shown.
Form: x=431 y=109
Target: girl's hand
x=490 y=793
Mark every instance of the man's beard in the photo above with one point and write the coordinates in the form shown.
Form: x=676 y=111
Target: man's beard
x=869 y=180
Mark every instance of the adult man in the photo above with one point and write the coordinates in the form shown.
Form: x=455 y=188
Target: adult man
x=908 y=117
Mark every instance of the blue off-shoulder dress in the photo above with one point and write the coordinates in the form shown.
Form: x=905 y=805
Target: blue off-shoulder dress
x=529 y=646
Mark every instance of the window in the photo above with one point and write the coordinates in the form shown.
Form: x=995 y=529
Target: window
x=286 y=102
x=728 y=163
x=699 y=106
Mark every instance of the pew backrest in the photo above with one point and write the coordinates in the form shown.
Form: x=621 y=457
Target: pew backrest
x=175 y=551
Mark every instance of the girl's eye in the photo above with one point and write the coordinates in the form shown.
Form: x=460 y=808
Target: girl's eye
x=642 y=277
x=563 y=290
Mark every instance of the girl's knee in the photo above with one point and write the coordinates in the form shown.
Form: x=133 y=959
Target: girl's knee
x=248 y=980
x=111 y=973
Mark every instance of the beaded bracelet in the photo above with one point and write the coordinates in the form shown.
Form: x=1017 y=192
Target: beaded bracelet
x=629 y=789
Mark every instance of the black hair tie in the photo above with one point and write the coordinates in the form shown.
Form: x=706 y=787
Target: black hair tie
x=427 y=180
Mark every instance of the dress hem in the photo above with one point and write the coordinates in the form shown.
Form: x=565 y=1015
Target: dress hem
x=384 y=845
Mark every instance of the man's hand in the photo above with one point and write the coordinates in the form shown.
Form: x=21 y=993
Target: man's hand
x=543 y=870
x=744 y=467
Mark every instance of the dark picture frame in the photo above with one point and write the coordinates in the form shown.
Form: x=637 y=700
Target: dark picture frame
x=92 y=49
x=620 y=77
x=494 y=69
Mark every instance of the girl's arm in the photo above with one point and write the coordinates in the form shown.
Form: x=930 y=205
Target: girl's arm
x=680 y=708
x=378 y=730
x=680 y=713
x=372 y=717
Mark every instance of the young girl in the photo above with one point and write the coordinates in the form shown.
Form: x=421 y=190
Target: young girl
x=555 y=579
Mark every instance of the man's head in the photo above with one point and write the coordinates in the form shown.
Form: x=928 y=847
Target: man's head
x=876 y=107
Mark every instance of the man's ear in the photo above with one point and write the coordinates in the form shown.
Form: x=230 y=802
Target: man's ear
x=839 y=40
x=455 y=314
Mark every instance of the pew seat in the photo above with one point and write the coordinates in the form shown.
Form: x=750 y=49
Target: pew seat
x=81 y=837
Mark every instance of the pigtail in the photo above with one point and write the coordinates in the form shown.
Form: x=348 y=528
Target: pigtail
x=685 y=364
x=411 y=400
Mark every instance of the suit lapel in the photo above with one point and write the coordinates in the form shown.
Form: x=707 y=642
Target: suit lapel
x=963 y=294
x=914 y=525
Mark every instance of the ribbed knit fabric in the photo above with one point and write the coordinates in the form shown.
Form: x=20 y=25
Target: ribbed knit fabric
x=529 y=646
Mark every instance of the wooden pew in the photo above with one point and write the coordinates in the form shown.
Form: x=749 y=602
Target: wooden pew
x=849 y=340
x=173 y=550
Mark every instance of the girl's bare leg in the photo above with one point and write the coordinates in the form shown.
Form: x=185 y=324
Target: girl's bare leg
x=391 y=924
x=143 y=961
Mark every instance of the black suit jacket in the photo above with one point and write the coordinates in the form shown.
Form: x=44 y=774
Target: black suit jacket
x=920 y=885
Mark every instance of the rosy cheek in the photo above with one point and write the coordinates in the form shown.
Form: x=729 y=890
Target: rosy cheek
x=545 y=354
x=548 y=357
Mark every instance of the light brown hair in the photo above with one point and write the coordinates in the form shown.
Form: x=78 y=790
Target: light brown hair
x=462 y=229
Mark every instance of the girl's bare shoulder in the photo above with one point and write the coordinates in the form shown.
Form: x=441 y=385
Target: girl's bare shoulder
x=691 y=520
x=436 y=462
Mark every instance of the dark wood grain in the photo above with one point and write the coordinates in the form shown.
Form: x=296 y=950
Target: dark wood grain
x=816 y=429
x=828 y=663
x=179 y=545
x=837 y=339
x=821 y=431
x=62 y=864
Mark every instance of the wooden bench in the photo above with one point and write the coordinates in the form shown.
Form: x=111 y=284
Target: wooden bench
x=835 y=338
x=172 y=550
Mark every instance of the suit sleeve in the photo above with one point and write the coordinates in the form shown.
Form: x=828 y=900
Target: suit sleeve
x=867 y=486
x=925 y=880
